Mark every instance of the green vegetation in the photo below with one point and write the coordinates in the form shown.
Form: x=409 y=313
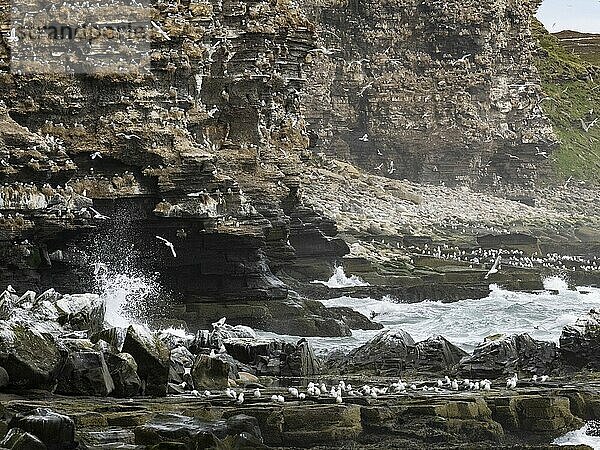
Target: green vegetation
x=572 y=104
x=585 y=45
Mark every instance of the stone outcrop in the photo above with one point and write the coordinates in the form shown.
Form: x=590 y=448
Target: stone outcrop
x=500 y=419
x=195 y=433
x=152 y=358
x=504 y=355
x=394 y=353
x=210 y=150
x=428 y=90
x=580 y=342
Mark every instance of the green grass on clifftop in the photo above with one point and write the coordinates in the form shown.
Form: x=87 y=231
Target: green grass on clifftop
x=572 y=87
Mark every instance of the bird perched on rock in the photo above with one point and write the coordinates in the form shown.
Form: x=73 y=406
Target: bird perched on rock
x=511 y=383
x=230 y=393
x=240 y=398
x=256 y=393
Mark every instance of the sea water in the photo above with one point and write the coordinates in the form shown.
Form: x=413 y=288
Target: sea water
x=467 y=323
x=581 y=437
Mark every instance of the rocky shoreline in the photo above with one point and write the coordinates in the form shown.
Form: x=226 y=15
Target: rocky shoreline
x=70 y=380
x=277 y=155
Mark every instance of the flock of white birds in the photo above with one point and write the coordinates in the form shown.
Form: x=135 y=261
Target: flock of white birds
x=343 y=390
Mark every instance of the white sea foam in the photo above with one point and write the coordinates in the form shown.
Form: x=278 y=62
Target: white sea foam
x=132 y=294
x=128 y=296
x=340 y=280
x=579 y=437
x=467 y=322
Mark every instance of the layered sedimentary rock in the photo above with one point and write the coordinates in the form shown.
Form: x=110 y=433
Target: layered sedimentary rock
x=208 y=150
x=203 y=151
x=429 y=90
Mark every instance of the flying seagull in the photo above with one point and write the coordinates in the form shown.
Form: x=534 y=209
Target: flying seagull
x=168 y=244
x=494 y=268
x=219 y=323
x=97 y=215
x=160 y=30
x=586 y=126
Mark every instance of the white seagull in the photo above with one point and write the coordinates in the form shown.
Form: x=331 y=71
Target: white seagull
x=97 y=215
x=494 y=268
x=13 y=36
x=391 y=169
x=219 y=323
x=160 y=30
x=168 y=244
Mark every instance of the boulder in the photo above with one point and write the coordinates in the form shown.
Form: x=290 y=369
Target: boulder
x=55 y=430
x=201 y=341
x=4 y=378
x=173 y=388
x=435 y=355
x=49 y=295
x=7 y=303
x=385 y=354
x=114 y=336
x=105 y=347
x=194 y=433
x=222 y=330
x=76 y=345
x=273 y=356
x=213 y=371
x=31 y=357
x=152 y=358
x=182 y=361
x=299 y=360
x=174 y=338
x=18 y=439
x=580 y=342
x=499 y=356
x=249 y=351
x=81 y=312
x=123 y=371
x=108 y=439
x=85 y=373
x=354 y=319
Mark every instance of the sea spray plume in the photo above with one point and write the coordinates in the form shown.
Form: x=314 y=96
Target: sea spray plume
x=339 y=279
x=131 y=291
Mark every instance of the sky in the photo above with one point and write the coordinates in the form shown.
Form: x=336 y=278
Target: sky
x=576 y=15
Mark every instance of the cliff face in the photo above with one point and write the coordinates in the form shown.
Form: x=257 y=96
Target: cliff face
x=203 y=152
x=208 y=150
x=429 y=90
